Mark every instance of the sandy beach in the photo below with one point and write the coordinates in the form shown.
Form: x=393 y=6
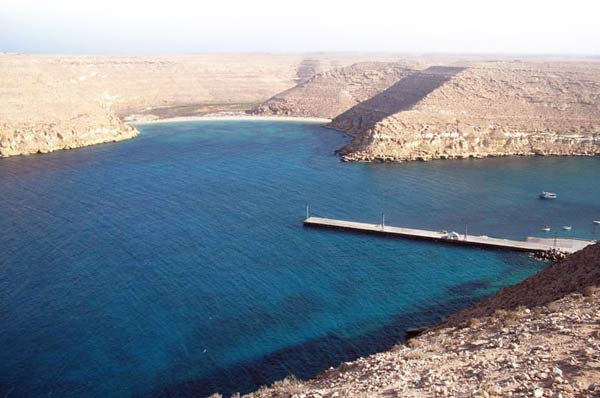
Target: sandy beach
x=140 y=120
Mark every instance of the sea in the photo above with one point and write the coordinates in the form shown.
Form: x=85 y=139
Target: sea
x=176 y=264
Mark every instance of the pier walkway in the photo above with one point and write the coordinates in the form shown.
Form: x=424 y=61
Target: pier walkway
x=529 y=245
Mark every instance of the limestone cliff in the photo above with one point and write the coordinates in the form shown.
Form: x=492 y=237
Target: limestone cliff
x=80 y=130
x=454 y=108
x=478 y=110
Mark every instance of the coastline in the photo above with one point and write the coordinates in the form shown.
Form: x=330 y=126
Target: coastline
x=132 y=120
x=532 y=339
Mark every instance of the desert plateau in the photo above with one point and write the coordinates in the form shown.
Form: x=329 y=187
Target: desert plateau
x=396 y=108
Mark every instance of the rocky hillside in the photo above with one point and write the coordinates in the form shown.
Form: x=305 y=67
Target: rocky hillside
x=477 y=110
x=574 y=274
x=50 y=102
x=454 y=108
x=331 y=93
x=540 y=338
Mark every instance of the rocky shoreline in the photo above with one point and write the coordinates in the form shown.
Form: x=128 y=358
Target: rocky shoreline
x=383 y=145
x=549 y=351
x=540 y=338
x=27 y=139
x=367 y=157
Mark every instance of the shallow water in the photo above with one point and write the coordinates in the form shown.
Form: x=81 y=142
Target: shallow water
x=176 y=264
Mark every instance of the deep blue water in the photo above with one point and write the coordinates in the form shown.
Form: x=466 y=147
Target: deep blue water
x=176 y=264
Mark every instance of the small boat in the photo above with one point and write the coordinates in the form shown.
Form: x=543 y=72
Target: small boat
x=597 y=222
x=567 y=227
x=548 y=195
x=547 y=228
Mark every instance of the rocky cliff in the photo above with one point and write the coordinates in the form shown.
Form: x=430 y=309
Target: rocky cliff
x=487 y=109
x=456 y=109
x=540 y=338
x=81 y=130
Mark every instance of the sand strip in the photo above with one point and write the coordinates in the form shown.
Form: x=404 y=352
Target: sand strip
x=217 y=117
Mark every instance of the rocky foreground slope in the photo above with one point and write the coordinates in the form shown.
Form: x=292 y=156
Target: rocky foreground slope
x=50 y=102
x=456 y=109
x=540 y=338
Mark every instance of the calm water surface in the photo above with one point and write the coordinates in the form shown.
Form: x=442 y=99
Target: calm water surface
x=176 y=264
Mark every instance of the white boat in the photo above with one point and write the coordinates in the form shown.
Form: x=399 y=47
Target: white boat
x=567 y=227
x=597 y=222
x=547 y=228
x=548 y=195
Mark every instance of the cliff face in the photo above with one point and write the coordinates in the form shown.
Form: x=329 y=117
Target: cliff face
x=454 y=108
x=50 y=102
x=81 y=130
x=486 y=109
x=540 y=338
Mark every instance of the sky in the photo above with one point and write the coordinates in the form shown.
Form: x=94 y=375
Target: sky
x=416 y=26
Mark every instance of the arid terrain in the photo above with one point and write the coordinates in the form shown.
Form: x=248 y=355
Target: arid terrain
x=50 y=102
x=397 y=108
x=540 y=338
x=333 y=92
x=458 y=109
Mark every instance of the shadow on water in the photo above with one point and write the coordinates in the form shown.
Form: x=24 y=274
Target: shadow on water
x=314 y=356
x=401 y=96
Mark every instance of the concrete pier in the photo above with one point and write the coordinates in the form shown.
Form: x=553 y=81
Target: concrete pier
x=530 y=245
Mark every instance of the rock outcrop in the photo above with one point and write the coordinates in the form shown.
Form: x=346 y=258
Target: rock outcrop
x=540 y=338
x=576 y=273
x=478 y=110
x=80 y=130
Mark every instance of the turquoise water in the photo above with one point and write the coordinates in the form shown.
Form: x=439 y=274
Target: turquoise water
x=176 y=264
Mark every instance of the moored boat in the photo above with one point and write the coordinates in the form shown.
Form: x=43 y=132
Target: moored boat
x=548 y=195
x=547 y=228
x=567 y=227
